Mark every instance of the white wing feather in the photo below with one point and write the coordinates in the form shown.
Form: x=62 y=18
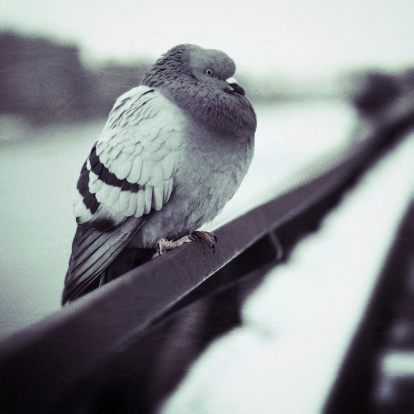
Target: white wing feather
x=140 y=146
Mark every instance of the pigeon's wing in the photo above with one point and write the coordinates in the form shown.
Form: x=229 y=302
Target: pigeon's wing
x=129 y=172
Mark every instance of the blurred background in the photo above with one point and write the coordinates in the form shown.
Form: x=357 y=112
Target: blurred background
x=63 y=63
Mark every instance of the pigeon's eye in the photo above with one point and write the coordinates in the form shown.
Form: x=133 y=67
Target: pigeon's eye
x=209 y=72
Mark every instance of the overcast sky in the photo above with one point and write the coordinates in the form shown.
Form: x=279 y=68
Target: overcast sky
x=286 y=36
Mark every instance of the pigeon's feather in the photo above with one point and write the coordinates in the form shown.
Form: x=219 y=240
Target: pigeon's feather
x=93 y=250
x=129 y=173
x=132 y=155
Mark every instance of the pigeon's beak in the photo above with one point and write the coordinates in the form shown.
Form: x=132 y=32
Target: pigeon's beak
x=235 y=86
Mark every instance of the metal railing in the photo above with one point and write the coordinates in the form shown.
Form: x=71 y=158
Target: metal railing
x=125 y=346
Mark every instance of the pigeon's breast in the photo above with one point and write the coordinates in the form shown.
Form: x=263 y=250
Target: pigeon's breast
x=210 y=168
x=213 y=170
x=210 y=171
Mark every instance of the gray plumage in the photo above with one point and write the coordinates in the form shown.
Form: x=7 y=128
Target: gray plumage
x=172 y=153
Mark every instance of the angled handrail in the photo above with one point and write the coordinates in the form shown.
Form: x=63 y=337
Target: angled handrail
x=39 y=364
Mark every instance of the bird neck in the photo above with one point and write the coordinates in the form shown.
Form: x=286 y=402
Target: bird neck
x=168 y=68
x=217 y=111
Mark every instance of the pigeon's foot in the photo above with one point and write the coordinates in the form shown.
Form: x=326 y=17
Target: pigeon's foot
x=164 y=245
x=209 y=238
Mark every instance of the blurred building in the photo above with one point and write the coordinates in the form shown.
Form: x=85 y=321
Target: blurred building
x=47 y=81
x=41 y=79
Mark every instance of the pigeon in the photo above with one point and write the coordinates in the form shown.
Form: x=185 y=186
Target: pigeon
x=173 y=152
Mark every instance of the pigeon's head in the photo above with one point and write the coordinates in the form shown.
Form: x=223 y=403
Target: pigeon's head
x=213 y=67
x=200 y=81
x=208 y=67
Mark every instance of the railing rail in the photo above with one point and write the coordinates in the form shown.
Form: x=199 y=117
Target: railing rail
x=64 y=362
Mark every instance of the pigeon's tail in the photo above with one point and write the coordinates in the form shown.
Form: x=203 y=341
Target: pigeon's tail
x=94 y=258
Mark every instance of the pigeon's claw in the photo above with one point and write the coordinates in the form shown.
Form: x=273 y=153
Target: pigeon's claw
x=208 y=237
x=164 y=245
